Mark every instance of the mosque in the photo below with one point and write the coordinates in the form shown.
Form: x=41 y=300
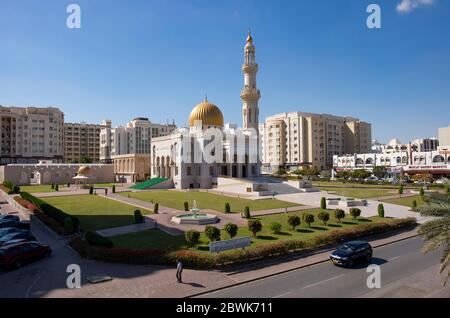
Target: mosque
x=232 y=152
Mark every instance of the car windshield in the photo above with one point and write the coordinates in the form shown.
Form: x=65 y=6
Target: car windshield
x=347 y=248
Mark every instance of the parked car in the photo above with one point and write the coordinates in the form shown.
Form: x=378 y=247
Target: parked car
x=26 y=235
x=349 y=253
x=9 y=217
x=8 y=230
x=16 y=255
x=372 y=178
x=14 y=223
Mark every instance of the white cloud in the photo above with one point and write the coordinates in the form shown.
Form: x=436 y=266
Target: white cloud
x=408 y=5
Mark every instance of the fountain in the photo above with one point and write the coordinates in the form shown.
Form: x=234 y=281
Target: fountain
x=195 y=217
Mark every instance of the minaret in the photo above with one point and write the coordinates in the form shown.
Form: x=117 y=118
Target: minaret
x=250 y=93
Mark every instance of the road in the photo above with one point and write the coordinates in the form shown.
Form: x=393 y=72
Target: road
x=402 y=265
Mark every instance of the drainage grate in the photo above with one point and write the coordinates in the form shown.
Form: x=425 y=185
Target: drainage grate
x=99 y=279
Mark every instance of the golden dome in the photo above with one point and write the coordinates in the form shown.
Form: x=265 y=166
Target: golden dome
x=249 y=38
x=84 y=170
x=208 y=113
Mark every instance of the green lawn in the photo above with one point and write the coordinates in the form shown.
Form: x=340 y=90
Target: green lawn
x=161 y=240
x=407 y=201
x=41 y=188
x=94 y=212
x=176 y=199
x=359 y=193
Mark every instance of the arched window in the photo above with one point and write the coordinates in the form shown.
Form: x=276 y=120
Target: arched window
x=438 y=158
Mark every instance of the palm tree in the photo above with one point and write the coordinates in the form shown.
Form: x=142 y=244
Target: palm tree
x=437 y=232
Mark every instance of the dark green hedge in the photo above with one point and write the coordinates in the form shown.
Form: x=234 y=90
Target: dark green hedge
x=51 y=211
x=96 y=239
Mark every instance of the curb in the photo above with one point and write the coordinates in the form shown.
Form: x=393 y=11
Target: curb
x=289 y=270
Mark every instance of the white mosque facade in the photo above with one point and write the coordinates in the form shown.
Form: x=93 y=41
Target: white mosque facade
x=198 y=155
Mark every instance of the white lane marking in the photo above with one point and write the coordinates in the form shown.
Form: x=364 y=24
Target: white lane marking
x=394 y=258
x=32 y=285
x=323 y=281
x=281 y=295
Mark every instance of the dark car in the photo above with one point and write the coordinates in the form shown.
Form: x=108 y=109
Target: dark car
x=9 y=217
x=350 y=253
x=14 y=223
x=16 y=255
x=26 y=235
x=8 y=230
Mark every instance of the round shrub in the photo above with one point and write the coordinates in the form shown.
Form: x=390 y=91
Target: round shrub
x=275 y=227
x=339 y=214
x=96 y=239
x=309 y=218
x=381 y=210
x=293 y=221
x=186 y=206
x=324 y=217
x=192 y=237
x=231 y=229
x=212 y=233
x=355 y=212
x=138 y=218
x=246 y=213
x=254 y=226
x=91 y=190
x=227 y=208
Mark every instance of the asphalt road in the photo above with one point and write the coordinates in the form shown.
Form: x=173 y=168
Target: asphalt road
x=397 y=261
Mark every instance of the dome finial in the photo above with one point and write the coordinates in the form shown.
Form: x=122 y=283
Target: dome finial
x=249 y=37
x=206 y=97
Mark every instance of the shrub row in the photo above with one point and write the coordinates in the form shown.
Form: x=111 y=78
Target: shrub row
x=11 y=187
x=205 y=260
x=95 y=239
x=53 y=212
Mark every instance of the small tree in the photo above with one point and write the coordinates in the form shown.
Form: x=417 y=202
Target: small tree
x=414 y=205
x=275 y=227
x=309 y=218
x=247 y=212
x=68 y=184
x=400 y=189
x=53 y=186
x=138 y=218
x=294 y=221
x=212 y=233
x=186 y=206
x=324 y=217
x=422 y=192
x=254 y=226
x=231 y=229
x=114 y=188
x=381 y=210
x=339 y=214
x=323 y=203
x=16 y=189
x=91 y=190
x=227 y=208
x=156 y=208
x=355 y=212
x=192 y=237
x=56 y=187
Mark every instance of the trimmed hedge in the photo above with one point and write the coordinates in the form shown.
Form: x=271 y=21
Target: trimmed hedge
x=53 y=212
x=208 y=261
x=96 y=239
x=11 y=187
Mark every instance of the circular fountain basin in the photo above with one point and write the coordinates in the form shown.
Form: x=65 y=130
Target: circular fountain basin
x=199 y=219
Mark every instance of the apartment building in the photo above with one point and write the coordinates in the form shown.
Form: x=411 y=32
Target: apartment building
x=444 y=136
x=82 y=140
x=299 y=139
x=31 y=134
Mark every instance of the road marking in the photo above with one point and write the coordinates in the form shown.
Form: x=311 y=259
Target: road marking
x=281 y=295
x=323 y=281
x=394 y=258
x=32 y=285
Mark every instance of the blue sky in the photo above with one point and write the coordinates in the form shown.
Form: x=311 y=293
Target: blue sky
x=158 y=59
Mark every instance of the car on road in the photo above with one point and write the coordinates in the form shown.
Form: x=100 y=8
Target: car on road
x=351 y=252
x=9 y=217
x=25 y=235
x=8 y=230
x=372 y=178
x=14 y=223
x=19 y=254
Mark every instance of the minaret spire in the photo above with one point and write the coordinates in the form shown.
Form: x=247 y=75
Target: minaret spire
x=250 y=94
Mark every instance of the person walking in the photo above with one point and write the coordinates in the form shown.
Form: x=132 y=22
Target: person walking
x=179 y=271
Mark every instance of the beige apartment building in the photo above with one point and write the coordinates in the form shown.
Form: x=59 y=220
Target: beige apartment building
x=298 y=139
x=30 y=134
x=81 y=139
x=444 y=136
